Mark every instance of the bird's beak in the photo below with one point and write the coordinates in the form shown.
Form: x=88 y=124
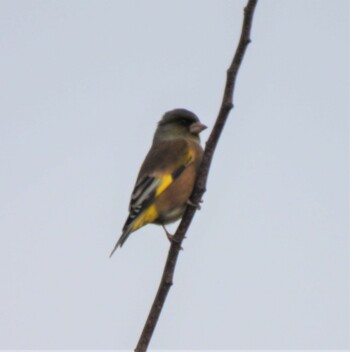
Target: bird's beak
x=197 y=127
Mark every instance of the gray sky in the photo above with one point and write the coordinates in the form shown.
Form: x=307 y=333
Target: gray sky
x=83 y=84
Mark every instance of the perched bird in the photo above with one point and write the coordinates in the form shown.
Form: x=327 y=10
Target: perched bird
x=167 y=175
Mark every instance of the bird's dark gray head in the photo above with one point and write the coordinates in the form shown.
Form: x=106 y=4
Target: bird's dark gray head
x=178 y=116
x=179 y=123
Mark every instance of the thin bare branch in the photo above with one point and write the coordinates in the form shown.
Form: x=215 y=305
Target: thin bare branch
x=200 y=186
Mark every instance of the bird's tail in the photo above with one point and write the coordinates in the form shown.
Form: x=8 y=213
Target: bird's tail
x=126 y=232
x=133 y=223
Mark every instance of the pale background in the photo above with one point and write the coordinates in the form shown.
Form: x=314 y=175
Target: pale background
x=83 y=84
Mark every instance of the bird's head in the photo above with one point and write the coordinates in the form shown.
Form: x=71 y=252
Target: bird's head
x=179 y=123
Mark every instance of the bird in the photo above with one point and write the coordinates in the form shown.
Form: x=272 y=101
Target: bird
x=167 y=175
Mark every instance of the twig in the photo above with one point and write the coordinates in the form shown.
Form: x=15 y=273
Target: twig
x=200 y=186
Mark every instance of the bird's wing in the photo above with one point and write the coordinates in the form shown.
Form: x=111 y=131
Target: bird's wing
x=164 y=163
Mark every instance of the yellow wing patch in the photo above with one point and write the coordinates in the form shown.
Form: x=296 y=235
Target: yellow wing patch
x=149 y=215
x=166 y=180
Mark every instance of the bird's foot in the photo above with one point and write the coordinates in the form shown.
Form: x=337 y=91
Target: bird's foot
x=171 y=237
x=195 y=205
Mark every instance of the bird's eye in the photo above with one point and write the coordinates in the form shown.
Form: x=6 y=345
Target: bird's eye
x=184 y=122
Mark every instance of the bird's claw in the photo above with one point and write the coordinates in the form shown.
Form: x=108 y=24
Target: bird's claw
x=171 y=238
x=195 y=205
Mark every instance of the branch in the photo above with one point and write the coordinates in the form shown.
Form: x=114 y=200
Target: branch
x=200 y=186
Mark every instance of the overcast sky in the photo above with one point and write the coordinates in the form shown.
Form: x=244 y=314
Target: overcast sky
x=83 y=84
